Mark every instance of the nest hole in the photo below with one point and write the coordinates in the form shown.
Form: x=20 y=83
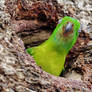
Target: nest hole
x=32 y=38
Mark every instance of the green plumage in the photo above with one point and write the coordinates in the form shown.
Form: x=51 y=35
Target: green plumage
x=52 y=53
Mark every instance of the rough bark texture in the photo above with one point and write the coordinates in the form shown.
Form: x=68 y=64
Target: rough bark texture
x=18 y=70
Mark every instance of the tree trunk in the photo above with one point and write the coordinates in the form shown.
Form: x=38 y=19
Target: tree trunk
x=18 y=70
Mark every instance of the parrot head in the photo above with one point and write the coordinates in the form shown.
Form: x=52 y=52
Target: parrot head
x=66 y=33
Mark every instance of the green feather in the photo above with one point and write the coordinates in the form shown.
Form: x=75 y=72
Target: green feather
x=52 y=53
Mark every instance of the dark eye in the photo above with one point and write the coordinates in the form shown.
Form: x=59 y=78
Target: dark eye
x=68 y=27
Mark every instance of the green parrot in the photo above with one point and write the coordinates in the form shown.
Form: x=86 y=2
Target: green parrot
x=51 y=54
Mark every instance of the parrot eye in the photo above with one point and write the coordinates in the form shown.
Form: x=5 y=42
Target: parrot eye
x=68 y=28
x=60 y=20
x=79 y=30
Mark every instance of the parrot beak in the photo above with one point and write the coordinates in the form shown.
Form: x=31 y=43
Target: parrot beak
x=68 y=27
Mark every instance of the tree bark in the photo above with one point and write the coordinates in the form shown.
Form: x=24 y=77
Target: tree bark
x=18 y=70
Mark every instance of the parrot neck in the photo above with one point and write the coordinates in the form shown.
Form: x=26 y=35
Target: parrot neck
x=55 y=44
